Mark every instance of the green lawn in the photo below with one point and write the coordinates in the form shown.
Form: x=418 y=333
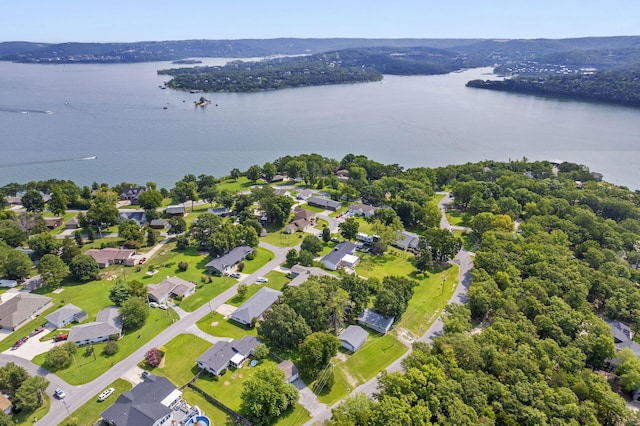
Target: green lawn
x=90 y=411
x=86 y=368
x=180 y=358
x=28 y=417
x=309 y=207
x=280 y=239
x=456 y=218
x=242 y=184
x=262 y=257
x=206 y=292
x=215 y=325
x=374 y=356
x=216 y=415
x=392 y=262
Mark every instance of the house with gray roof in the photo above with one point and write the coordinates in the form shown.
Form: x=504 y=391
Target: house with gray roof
x=223 y=355
x=353 y=337
x=138 y=216
x=334 y=259
x=301 y=273
x=223 y=265
x=33 y=283
x=158 y=224
x=256 y=305
x=20 y=309
x=66 y=315
x=364 y=210
x=375 y=321
x=622 y=337
x=220 y=211
x=175 y=211
x=108 y=323
x=290 y=371
x=407 y=241
x=8 y=283
x=149 y=403
x=111 y=256
x=131 y=194
x=324 y=203
x=170 y=287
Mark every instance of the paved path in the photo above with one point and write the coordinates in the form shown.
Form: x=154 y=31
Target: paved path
x=78 y=395
x=465 y=263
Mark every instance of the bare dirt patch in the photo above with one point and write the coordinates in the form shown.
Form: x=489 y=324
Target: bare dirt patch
x=342 y=357
x=405 y=336
x=215 y=323
x=227 y=383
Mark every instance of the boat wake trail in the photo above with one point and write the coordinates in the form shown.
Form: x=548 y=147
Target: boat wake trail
x=35 y=163
x=26 y=111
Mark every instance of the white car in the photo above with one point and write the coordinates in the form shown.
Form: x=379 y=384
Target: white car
x=106 y=394
x=163 y=306
x=153 y=304
x=236 y=275
x=59 y=393
x=262 y=280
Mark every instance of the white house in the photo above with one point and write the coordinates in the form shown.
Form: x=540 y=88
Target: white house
x=108 y=323
x=353 y=337
x=66 y=315
x=342 y=255
x=223 y=354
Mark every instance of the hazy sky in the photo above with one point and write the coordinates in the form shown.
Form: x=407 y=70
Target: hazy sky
x=137 y=20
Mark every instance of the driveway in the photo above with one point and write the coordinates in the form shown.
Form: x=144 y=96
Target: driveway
x=33 y=346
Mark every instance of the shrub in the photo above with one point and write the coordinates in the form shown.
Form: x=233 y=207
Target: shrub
x=261 y=351
x=251 y=256
x=111 y=348
x=183 y=266
x=241 y=266
x=132 y=244
x=153 y=357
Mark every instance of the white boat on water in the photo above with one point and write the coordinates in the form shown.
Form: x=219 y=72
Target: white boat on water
x=89 y=158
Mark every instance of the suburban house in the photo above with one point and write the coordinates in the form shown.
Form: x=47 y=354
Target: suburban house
x=29 y=252
x=343 y=175
x=66 y=315
x=301 y=273
x=5 y=404
x=290 y=371
x=304 y=194
x=280 y=191
x=158 y=224
x=72 y=223
x=324 y=203
x=131 y=194
x=149 y=403
x=224 y=354
x=278 y=178
x=297 y=225
x=8 y=283
x=342 y=255
x=407 y=241
x=362 y=210
x=53 y=222
x=33 y=283
x=138 y=216
x=14 y=201
x=111 y=256
x=169 y=288
x=299 y=213
x=172 y=211
x=364 y=238
x=375 y=321
x=20 y=309
x=622 y=337
x=256 y=305
x=107 y=324
x=220 y=211
x=353 y=337
x=223 y=265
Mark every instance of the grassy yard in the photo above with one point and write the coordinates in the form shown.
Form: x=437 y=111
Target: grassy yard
x=207 y=292
x=228 y=387
x=216 y=415
x=215 y=325
x=457 y=218
x=90 y=411
x=86 y=368
x=28 y=418
x=179 y=364
x=352 y=370
x=280 y=239
x=262 y=257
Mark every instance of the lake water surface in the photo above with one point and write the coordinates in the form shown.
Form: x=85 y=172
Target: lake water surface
x=53 y=115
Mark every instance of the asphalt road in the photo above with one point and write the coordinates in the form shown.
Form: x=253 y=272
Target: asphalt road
x=78 y=395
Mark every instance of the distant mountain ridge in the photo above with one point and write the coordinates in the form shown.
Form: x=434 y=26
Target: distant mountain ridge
x=478 y=51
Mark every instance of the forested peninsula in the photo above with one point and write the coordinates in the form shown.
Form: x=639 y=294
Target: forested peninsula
x=616 y=87
x=338 y=67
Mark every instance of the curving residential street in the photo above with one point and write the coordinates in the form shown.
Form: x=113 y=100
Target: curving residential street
x=465 y=264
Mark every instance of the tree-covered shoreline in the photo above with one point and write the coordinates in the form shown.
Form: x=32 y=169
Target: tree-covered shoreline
x=620 y=87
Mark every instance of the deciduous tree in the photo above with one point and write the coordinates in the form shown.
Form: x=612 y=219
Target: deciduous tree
x=265 y=395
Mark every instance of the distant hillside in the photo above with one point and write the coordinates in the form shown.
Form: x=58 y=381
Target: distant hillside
x=478 y=51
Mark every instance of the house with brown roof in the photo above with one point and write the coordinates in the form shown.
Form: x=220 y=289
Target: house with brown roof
x=299 y=213
x=5 y=404
x=172 y=211
x=20 y=309
x=364 y=210
x=53 y=222
x=169 y=288
x=72 y=223
x=111 y=256
x=298 y=225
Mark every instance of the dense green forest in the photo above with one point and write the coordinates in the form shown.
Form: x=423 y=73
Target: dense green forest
x=619 y=87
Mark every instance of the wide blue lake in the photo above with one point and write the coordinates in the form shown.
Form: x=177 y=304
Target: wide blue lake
x=53 y=115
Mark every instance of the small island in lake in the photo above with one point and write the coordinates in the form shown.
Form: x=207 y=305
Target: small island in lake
x=187 y=61
x=202 y=102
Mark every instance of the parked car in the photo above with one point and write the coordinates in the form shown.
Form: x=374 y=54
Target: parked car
x=153 y=304
x=262 y=280
x=106 y=394
x=145 y=374
x=59 y=393
x=142 y=260
x=163 y=306
x=236 y=275
x=19 y=342
x=60 y=337
x=36 y=331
